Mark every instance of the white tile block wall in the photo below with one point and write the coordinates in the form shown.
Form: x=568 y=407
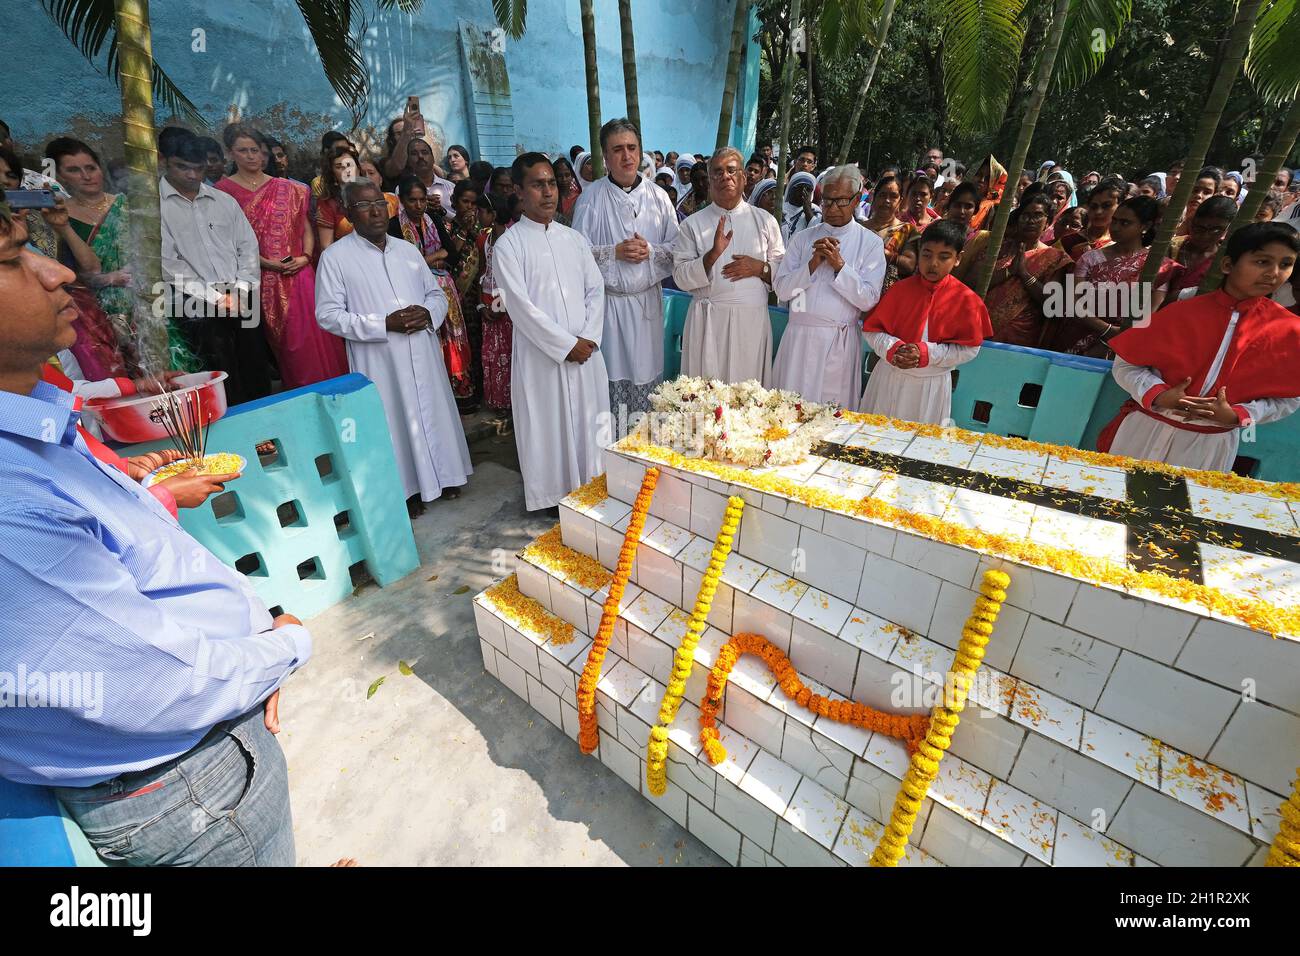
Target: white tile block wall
x=830 y=564
x=823 y=657
x=1039 y=592
x=1068 y=780
x=1184 y=711
x=958 y=842
x=1262 y=744
x=768 y=539
x=1240 y=659
x=1063 y=661
x=898 y=593
x=987 y=740
x=954 y=607
x=746 y=814
x=1172 y=834
x=722 y=838
x=1149 y=629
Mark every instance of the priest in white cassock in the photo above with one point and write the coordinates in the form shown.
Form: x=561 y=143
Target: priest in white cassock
x=832 y=273
x=555 y=297
x=726 y=255
x=377 y=293
x=631 y=226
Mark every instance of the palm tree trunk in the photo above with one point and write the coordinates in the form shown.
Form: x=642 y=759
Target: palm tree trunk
x=886 y=14
x=1052 y=43
x=593 y=88
x=1264 y=175
x=733 y=74
x=808 y=44
x=629 y=63
x=787 y=85
x=135 y=66
x=1229 y=67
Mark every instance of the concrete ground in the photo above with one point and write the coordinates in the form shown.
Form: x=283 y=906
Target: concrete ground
x=445 y=766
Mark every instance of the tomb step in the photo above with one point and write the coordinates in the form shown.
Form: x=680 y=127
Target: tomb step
x=752 y=809
x=855 y=765
x=1063 y=738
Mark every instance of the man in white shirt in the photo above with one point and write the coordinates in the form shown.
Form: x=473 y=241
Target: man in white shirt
x=210 y=261
x=831 y=274
x=631 y=226
x=555 y=296
x=377 y=293
x=725 y=256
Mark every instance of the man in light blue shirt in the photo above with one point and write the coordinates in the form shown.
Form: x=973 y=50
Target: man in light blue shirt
x=139 y=676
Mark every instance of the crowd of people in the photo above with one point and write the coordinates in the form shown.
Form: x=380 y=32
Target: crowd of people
x=534 y=290
x=850 y=256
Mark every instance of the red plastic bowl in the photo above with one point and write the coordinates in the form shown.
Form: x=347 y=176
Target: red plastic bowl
x=127 y=419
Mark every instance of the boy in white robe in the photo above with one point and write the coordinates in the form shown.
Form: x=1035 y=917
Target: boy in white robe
x=377 y=293
x=831 y=274
x=726 y=255
x=555 y=297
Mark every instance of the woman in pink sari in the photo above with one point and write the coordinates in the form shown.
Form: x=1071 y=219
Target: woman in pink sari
x=277 y=210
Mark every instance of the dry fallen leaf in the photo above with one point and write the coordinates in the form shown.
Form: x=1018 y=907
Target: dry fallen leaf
x=461 y=590
x=433 y=577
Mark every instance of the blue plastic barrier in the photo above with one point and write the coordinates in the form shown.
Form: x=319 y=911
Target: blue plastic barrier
x=1035 y=394
x=301 y=523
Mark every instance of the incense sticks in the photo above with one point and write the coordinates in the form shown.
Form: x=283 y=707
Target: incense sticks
x=181 y=414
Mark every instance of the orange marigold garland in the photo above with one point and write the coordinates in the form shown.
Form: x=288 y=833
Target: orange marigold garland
x=656 y=764
x=909 y=728
x=1286 y=845
x=588 y=731
x=924 y=765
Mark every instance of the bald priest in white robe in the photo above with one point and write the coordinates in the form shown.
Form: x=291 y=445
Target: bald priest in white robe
x=555 y=296
x=377 y=293
x=726 y=256
x=832 y=273
x=632 y=227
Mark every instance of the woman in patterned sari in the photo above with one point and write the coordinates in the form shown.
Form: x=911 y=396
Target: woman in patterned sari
x=1132 y=228
x=498 y=330
x=465 y=263
x=1024 y=269
x=276 y=208
x=414 y=224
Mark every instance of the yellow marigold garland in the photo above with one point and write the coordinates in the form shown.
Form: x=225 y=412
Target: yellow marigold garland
x=924 y=764
x=1286 y=845
x=1260 y=615
x=909 y=728
x=656 y=764
x=588 y=731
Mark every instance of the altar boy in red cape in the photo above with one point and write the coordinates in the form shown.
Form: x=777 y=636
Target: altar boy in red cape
x=924 y=327
x=1206 y=367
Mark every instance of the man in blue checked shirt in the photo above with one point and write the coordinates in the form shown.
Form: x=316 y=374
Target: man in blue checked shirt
x=139 y=676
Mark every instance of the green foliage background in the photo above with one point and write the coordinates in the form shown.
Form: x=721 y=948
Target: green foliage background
x=1134 y=117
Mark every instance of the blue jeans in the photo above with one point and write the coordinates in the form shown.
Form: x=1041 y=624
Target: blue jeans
x=223 y=803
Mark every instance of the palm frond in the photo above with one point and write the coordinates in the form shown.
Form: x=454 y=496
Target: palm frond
x=982 y=41
x=1271 y=60
x=512 y=16
x=1091 y=29
x=844 y=24
x=330 y=24
x=88 y=24
x=405 y=6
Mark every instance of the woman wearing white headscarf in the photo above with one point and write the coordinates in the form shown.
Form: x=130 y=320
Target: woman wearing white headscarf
x=683 y=171
x=578 y=163
x=762 y=196
x=647 y=169
x=667 y=171
x=798 y=216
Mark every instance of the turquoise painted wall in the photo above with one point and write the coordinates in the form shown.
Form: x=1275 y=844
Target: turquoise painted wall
x=256 y=55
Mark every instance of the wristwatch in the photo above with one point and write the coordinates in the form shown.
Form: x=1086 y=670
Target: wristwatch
x=766 y=274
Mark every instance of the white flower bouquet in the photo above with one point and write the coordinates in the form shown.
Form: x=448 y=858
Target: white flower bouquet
x=743 y=423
